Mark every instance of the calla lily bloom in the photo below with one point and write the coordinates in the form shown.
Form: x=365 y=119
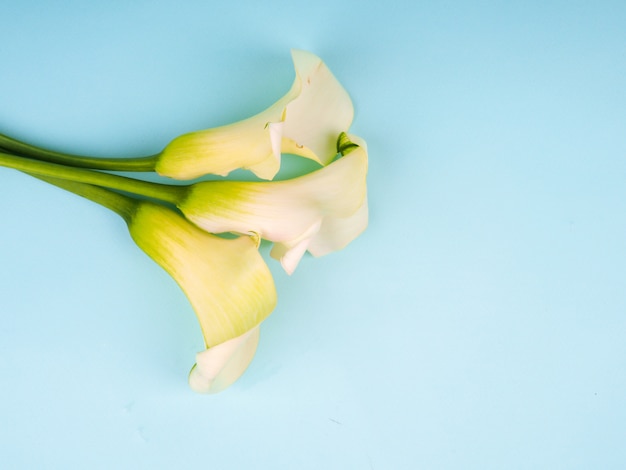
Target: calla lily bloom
x=226 y=280
x=320 y=212
x=218 y=367
x=304 y=122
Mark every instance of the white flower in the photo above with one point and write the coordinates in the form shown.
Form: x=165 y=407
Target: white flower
x=218 y=367
x=226 y=280
x=305 y=122
x=320 y=212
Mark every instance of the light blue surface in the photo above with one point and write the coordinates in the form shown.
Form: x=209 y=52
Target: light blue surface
x=480 y=322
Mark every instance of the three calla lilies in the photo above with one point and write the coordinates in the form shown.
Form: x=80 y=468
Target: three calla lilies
x=207 y=234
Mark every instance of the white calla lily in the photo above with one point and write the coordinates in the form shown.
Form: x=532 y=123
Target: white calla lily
x=320 y=212
x=226 y=280
x=304 y=122
x=218 y=367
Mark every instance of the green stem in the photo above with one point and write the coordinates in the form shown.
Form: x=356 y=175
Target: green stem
x=123 y=205
x=112 y=164
x=163 y=192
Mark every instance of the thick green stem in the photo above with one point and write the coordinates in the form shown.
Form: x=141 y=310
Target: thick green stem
x=112 y=164
x=163 y=192
x=123 y=205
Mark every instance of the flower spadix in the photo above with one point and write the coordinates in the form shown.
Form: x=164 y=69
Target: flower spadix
x=320 y=212
x=305 y=122
x=226 y=280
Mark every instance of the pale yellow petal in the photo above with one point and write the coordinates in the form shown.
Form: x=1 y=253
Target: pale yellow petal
x=290 y=253
x=226 y=280
x=244 y=144
x=289 y=213
x=220 y=366
x=337 y=232
x=305 y=122
x=282 y=210
x=322 y=110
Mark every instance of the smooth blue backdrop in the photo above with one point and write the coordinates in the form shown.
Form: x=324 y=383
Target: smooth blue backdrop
x=480 y=322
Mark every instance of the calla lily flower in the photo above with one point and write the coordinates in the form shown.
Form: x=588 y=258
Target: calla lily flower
x=304 y=122
x=320 y=212
x=226 y=280
x=218 y=367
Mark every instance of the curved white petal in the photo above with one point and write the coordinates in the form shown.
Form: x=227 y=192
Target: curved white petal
x=287 y=212
x=290 y=253
x=311 y=114
x=226 y=280
x=220 y=366
x=337 y=232
x=322 y=110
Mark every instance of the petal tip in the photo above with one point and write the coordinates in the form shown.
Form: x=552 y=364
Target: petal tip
x=219 y=367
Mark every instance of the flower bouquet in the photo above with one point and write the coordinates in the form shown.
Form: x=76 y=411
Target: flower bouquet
x=207 y=234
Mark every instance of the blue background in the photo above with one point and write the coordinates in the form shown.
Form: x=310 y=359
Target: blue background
x=480 y=322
